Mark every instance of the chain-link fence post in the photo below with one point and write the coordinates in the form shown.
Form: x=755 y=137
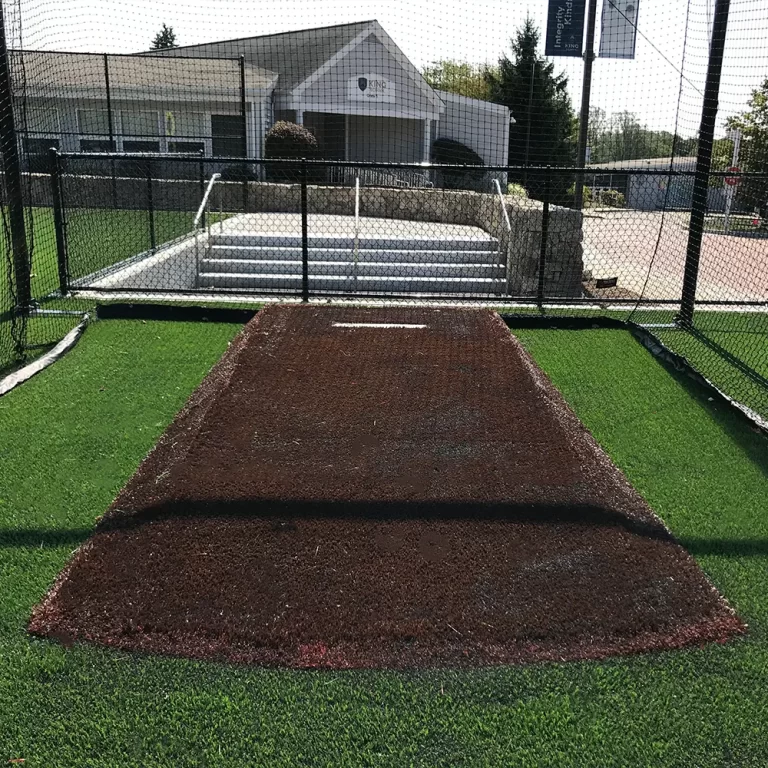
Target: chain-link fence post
x=544 y=238
x=304 y=234
x=151 y=207
x=59 y=221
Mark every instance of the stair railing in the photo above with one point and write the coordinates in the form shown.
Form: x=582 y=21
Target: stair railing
x=505 y=215
x=205 y=230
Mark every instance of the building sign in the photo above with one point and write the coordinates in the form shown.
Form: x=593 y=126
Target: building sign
x=618 y=29
x=371 y=88
x=565 y=28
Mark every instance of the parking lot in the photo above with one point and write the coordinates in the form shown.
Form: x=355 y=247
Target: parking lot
x=646 y=252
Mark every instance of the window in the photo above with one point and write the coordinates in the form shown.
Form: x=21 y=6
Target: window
x=228 y=136
x=132 y=145
x=93 y=121
x=186 y=147
x=97 y=145
x=140 y=124
x=186 y=125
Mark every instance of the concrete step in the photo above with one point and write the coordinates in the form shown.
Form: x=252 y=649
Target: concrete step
x=364 y=284
x=347 y=268
x=404 y=243
x=273 y=253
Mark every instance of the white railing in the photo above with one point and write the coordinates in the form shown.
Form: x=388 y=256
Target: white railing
x=505 y=214
x=206 y=230
x=357 y=222
x=204 y=203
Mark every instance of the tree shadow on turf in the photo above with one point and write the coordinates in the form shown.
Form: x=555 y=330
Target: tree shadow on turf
x=283 y=512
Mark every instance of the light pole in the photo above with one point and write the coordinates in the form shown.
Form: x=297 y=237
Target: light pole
x=589 y=56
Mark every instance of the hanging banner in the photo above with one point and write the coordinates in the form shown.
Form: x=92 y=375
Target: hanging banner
x=565 y=28
x=618 y=30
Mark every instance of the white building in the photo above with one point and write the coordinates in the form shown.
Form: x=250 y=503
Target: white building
x=349 y=84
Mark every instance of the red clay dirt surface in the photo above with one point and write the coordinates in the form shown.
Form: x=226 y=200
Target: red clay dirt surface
x=336 y=496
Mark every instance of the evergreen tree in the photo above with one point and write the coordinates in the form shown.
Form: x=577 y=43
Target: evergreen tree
x=546 y=108
x=166 y=38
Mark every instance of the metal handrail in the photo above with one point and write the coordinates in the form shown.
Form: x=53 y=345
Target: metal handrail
x=195 y=226
x=503 y=205
x=357 y=222
x=505 y=212
x=214 y=178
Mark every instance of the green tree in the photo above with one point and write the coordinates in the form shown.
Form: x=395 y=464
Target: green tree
x=458 y=77
x=165 y=38
x=753 y=155
x=545 y=108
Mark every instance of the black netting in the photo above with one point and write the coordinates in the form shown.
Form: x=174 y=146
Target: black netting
x=365 y=160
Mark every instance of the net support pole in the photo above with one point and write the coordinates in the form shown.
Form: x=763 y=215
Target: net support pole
x=244 y=114
x=544 y=240
x=703 y=162
x=110 y=127
x=13 y=186
x=58 y=221
x=586 y=88
x=304 y=234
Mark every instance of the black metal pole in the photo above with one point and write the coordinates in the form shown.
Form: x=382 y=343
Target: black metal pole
x=586 y=88
x=58 y=221
x=151 y=207
x=703 y=162
x=12 y=168
x=111 y=128
x=304 y=234
x=544 y=239
x=245 y=131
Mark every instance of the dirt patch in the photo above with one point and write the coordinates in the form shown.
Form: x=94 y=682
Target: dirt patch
x=360 y=497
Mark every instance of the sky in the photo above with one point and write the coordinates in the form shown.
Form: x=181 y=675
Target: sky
x=672 y=38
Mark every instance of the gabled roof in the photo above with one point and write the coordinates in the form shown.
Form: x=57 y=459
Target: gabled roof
x=294 y=55
x=55 y=73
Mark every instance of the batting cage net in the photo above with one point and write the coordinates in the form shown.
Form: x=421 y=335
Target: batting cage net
x=607 y=160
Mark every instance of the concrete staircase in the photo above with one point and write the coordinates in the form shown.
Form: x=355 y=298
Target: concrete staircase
x=257 y=261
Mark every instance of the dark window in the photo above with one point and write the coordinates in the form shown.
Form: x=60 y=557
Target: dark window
x=36 y=151
x=228 y=136
x=97 y=145
x=186 y=147
x=141 y=146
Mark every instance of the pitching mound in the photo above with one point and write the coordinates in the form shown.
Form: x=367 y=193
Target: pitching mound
x=381 y=487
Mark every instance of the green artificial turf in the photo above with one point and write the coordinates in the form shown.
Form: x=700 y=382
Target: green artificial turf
x=72 y=436
x=96 y=238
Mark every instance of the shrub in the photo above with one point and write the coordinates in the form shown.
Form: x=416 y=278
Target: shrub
x=613 y=198
x=450 y=152
x=571 y=193
x=288 y=141
x=517 y=190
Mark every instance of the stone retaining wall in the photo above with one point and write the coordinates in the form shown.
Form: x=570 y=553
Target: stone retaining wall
x=563 y=265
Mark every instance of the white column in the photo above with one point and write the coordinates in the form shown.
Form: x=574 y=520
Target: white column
x=299 y=117
x=427 y=140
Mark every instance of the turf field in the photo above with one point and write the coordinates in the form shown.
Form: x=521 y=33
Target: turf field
x=380 y=487
x=70 y=439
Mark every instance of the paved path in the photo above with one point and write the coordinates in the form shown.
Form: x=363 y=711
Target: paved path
x=623 y=244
